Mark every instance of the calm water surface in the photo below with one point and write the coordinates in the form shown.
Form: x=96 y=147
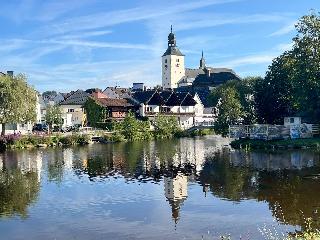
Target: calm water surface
x=174 y=189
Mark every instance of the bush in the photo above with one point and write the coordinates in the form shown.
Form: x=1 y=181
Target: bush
x=68 y=140
x=83 y=139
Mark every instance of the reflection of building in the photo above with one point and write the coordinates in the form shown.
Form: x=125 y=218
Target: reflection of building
x=67 y=158
x=27 y=163
x=176 y=191
x=274 y=161
x=190 y=152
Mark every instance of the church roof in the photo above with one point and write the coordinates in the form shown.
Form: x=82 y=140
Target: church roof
x=217 y=76
x=173 y=51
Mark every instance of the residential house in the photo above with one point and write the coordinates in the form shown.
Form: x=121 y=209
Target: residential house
x=72 y=109
x=115 y=109
x=186 y=108
x=117 y=92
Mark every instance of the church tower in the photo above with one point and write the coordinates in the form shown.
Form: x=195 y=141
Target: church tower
x=173 y=69
x=202 y=62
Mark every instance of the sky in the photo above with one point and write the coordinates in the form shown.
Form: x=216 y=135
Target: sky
x=67 y=45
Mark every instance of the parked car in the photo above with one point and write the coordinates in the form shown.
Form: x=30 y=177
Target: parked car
x=39 y=127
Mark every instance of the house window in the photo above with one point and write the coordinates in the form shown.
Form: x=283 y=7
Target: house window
x=71 y=110
x=148 y=109
x=291 y=120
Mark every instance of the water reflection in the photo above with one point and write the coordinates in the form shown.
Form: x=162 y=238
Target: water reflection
x=19 y=182
x=286 y=181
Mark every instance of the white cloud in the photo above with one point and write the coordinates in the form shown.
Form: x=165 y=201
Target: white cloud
x=249 y=60
x=214 y=20
x=288 y=28
x=111 y=18
x=284 y=47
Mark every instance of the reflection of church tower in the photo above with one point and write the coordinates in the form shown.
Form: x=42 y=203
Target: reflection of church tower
x=173 y=69
x=176 y=191
x=1 y=163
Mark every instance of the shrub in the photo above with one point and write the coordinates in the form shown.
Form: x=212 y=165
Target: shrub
x=83 y=139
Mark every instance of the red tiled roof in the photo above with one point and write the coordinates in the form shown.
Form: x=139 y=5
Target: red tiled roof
x=99 y=95
x=112 y=102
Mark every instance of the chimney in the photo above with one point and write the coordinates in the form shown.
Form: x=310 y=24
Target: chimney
x=208 y=72
x=10 y=73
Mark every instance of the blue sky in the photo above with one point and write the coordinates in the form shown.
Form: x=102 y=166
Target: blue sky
x=78 y=44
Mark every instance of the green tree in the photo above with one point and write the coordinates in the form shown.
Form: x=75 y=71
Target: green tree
x=165 y=126
x=274 y=95
x=132 y=129
x=53 y=116
x=292 y=82
x=17 y=101
x=306 y=61
x=245 y=89
x=96 y=114
x=229 y=108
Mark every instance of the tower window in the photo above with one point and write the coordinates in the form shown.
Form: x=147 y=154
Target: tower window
x=166 y=61
x=177 y=60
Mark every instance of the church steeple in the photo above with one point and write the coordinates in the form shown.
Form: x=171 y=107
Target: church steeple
x=202 y=62
x=173 y=69
x=172 y=39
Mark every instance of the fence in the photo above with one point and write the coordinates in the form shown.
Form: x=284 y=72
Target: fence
x=272 y=132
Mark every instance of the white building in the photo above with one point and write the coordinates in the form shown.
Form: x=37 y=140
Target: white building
x=188 y=109
x=180 y=105
x=72 y=109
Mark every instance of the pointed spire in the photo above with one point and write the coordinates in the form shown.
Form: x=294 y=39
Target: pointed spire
x=202 y=62
x=171 y=28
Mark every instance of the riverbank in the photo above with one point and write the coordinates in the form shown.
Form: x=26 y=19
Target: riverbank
x=249 y=144
x=43 y=141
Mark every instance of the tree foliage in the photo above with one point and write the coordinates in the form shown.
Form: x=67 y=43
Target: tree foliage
x=96 y=114
x=17 y=100
x=165 y=126
x=235 y=103
x=292 y=82
x=132 y=129
x=54 y=115
x=229 y=107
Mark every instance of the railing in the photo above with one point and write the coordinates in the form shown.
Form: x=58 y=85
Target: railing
x=169 y=113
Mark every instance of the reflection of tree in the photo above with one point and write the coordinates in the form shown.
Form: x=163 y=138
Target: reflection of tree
x=292 y=197
x=98 y=167
x=17 y=192
x=55 y=169
x=226 y=181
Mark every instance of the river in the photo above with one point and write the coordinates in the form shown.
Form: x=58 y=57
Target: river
x=188 y=188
